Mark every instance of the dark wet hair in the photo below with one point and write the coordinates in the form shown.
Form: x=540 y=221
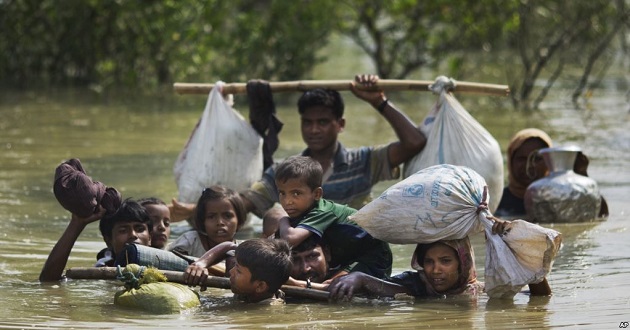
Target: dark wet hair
x=322 y=97
x=311 y=242
x=129 y=211
x=151 y=201
x=300 y=167
x=268 y=260
x=217 y=193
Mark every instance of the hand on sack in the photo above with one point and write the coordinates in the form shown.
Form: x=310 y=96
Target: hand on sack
x=500 y=227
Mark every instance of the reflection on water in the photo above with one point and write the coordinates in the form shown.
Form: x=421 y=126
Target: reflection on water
x=132 y=146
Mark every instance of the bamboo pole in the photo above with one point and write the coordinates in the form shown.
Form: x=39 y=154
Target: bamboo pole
x=110 y=273
x=343 y=85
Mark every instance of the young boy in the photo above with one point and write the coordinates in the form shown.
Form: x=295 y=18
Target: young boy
x=299 y=180
x=262 y=266
x=128 y=224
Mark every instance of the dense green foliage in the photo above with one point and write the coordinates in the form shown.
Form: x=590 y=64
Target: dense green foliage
x=151 y=43
x=134 y=43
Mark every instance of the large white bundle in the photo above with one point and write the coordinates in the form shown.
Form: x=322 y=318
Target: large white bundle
x=222 y=149
x=522 y=255
x=438 y=202
x=455 y=137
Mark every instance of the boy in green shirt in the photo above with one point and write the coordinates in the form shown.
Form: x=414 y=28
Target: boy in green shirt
x=299 y=181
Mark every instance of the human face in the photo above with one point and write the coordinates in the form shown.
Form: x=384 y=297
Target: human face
x=129 y=232
x=296 y=197
x=320 y=128
x=220 y=222
x=441 y=267
x=526 y=173
x=161 y=218
x=309 y=264
x=241 y=281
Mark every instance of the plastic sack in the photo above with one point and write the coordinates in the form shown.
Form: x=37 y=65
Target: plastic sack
x=223 y=149
x=455 y=137
x=522 y=255
x=438 y=202
x=149 y=290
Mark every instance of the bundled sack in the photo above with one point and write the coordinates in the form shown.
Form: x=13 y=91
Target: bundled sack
x=455 y=137
x=149 y=256
x=79 y=194
x=148 y=289
x=223 y=149
x=438 y=202
x=523 y=254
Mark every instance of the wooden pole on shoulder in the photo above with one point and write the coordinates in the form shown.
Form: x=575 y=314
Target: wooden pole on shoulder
x=343 y=85
x=110 y=273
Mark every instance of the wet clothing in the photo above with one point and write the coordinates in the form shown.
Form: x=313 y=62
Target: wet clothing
x=510 y=205
x=105 y=258
x=189 y=243
x=351 y=247
x=262 y=117
x=354 y=172
x=419 y=286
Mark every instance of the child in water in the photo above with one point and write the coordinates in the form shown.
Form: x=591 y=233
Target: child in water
x=260 y=268
x=161 y=219
x=220 y=213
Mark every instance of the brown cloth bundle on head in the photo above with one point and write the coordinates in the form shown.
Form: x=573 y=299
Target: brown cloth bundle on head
x=262 y=117
x=77 y=193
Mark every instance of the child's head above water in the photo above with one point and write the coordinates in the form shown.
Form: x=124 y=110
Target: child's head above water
x=129 y=224
x=161 y=219
x=262 y=266
x=220 y=213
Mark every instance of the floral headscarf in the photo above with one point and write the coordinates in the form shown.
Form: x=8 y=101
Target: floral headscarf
x=467 y=279
x=517 y=141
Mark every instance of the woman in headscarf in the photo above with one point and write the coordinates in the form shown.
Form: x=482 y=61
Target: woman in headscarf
x=445 y=267
x=524 y=166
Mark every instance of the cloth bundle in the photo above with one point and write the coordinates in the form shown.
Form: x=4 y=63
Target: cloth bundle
x=147 y=289
x=148 y=256
x=79 y=194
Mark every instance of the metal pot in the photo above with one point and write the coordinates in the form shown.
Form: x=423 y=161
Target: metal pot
x=563 y=195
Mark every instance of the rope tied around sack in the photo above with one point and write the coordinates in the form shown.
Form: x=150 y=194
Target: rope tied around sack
x=131 y=280
x=443 y=84
x=483 y=206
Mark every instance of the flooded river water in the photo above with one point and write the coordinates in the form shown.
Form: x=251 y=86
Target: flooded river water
x=132 y=143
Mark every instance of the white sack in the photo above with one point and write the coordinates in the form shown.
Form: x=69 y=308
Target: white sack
x=223 y=149
x=455 y=137
x=522 y=255
x=439 y=202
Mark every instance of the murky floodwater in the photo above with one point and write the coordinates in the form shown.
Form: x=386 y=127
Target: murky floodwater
x=132 y=143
